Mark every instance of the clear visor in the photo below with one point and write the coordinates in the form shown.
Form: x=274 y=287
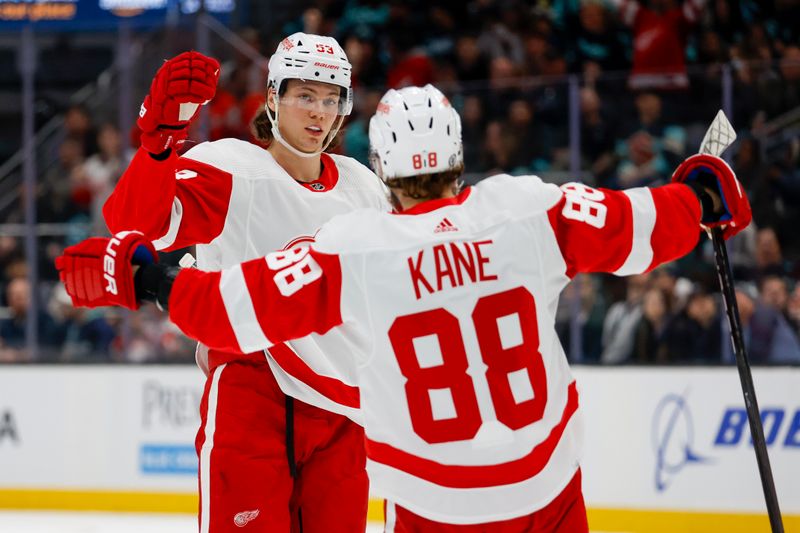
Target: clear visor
x=326 y=104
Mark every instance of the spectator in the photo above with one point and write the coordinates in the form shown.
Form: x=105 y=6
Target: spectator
x=410 y=63
x=473 y=128
x=443 y=31
x=591 y=312
x=793 y=309
x=676 y=289
x=536 y=48
x=648 y=345
x=368 y=71
x=356 y=136
x=254 y=72
x=725 y=19
x=102 y=170
x=531 y=150
x=706 y=77
x=597 y=46
x=143 y=342
x=503 y=86
x=83 y=334
x=741 y=252
x=78 y=127
x=233 y=107
x=769 y=256
x=660 y=32
x=58 y=199
x=768 y=337
x=750 y=168
x=774 y=293
x=780 y=92
x=551 y=100
x=693 y=335
x=497 y=40
x=175 y=346
x=471 y=63
x=640 y=163
x=776 y=197
x=653 y=149
x=498 y=145
x=597 y=138
x=12 y=329
x=621 y=321
x=751 y=59
x=785 y=344
x=312 y=20
x=10 y=252
x=784 y=30
x=15 y=268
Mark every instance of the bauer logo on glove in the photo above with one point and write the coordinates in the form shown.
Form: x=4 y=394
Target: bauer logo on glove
x=99 y=271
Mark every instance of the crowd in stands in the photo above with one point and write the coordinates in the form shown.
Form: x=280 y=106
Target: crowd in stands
x=88 y=163
x=649 y=76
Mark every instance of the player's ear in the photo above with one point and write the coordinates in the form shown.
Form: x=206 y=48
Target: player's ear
x=271 y=99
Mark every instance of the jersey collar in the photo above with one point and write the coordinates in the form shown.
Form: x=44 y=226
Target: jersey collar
x=327 y=179
x=433 y=205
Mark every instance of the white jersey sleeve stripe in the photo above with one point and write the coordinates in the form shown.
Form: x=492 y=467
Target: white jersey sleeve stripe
x=175 y=218
x=239 y=307
x=644 y=220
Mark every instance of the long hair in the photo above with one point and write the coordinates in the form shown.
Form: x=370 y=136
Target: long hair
x=428 y=186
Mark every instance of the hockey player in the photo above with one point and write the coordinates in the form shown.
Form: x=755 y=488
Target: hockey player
x=266 y=460
x=470 y=409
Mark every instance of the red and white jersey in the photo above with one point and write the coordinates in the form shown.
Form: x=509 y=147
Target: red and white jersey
x=659 y=42
x=470 y=408
x=234 y=201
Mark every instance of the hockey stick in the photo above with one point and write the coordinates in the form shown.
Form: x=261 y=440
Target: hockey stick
x=719 y=136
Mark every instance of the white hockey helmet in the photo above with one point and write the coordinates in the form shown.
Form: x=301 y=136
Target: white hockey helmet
x=415 y=131
x=303 y=56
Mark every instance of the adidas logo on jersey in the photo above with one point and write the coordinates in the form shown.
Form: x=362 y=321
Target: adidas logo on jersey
x=445 y=225
x=241 y=519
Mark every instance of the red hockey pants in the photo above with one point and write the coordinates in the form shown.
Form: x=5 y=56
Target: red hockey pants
x=272 y=464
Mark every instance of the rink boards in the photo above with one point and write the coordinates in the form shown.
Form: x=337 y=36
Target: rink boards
x=667 y=449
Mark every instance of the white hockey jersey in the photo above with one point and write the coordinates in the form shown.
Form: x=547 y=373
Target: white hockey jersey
x=236 y=203
x=470 y=409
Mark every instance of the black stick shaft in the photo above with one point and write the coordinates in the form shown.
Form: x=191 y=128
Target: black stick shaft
x=746 y=377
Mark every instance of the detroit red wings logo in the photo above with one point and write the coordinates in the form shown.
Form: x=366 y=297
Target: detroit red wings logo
x=242 y=519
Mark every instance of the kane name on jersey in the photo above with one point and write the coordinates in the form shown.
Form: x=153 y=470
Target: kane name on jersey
x=449 y=265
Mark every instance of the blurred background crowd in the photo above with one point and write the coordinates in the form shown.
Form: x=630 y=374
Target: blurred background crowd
x=611 y=93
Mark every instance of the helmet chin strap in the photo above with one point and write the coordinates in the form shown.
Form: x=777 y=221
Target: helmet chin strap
x=276 y=133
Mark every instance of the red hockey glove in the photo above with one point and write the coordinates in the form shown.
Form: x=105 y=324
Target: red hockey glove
x=714 y=173
x=180 y=87
x=99 y=272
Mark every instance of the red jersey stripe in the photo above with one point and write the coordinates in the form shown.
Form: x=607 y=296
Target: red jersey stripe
x=466 y=477
x=333 y=389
